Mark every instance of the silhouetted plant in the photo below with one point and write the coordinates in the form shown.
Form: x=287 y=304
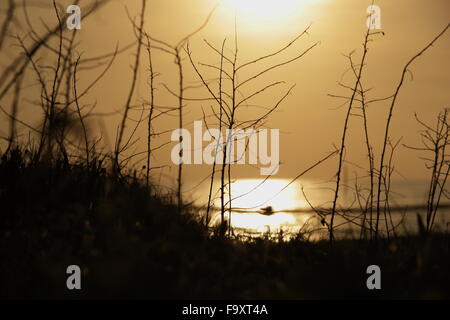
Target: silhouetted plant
x=435 y=142
x=381 y=170
x=229 y=104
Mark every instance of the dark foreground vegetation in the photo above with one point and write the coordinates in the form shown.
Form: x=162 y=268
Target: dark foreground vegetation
x=134 y=245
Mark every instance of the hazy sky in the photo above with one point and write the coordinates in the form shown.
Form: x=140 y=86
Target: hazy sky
x=309 y=120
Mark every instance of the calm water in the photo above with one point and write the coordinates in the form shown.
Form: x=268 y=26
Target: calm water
x=290 y=209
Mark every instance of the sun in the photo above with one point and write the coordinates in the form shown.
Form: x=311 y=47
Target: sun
x=264 y=9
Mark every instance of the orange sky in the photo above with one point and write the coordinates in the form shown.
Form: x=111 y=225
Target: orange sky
x=308 y=120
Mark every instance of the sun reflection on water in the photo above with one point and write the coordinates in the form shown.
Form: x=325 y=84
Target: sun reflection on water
x=262 y=206
x=261 y=223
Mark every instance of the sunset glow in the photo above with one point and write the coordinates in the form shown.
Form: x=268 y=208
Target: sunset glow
x=251 y=192
x=264 y=9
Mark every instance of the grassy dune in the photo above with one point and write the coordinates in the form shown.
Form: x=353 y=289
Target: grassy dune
x=131 y=243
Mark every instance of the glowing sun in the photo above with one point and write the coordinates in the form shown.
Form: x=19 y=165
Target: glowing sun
x=264 y=9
